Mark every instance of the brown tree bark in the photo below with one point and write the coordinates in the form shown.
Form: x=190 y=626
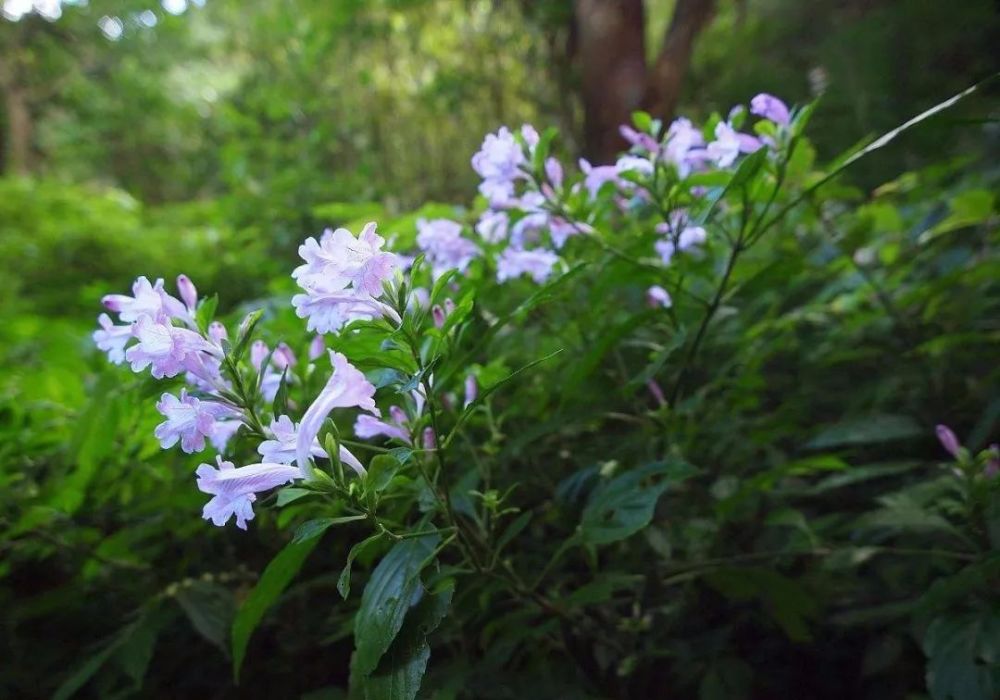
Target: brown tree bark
x=17 y=149
x=666 y=78
x=610 y=47
x=611 y=58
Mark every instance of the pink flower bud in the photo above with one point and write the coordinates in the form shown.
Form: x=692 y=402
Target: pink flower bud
x=316 y=347
x=113 y=302
x=948 y=440
x=398 y=415
x=657 y=392
x=217 y=332
x=471 y=389
x=657 y=296
x=188 y=292
x=437 y=313
x=554 y=172
x=429 y=441
x=283 y=356
x=993 y=463
x=258 y=353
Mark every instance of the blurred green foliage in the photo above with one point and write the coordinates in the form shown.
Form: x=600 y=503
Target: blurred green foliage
x=214 y=143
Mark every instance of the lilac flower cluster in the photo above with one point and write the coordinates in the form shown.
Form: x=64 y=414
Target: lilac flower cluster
x=526 y=223
x=342 y=279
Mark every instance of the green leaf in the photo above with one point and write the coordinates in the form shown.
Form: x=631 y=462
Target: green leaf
x=276 y=577
x=625 y=505
x=963 y=654
x=245 y=333
x=402 y=668
x=312 y=529
x=279 y=406
x=344 y=580
x=381 y=470
x=866 y=431
x=392 y=589
x=205 y=313
x=210 y=608
x=291 y=493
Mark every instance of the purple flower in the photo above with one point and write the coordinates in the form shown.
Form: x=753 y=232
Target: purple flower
x=437 y=313
x=537 y=263
x=948 y=440
x=682 y=140
x=366 y=427
x=637 y=138
x=223 y=432
x=471 y=390
x=165 y=347
x=596 y=176
x=442 y=242
x=561 y=230
x=492 y=226
x=188 y=292
x=993 y=462
x=234 y=490
x=328 y=312
x=665 y=249
x=346 y=388
x=658 y=296
x=217 y=333
x=691 y=236
x=554 y=172
x=770 y=107
x=281 y=447
x=146 y=300
x=729 y=144
x=339 y=260
x=657 y=392
x=112 y=339
x=429 y=441
x=631 y=163
x=341 y=277
x=316 y=347
x=188 y=420
x=499 y=162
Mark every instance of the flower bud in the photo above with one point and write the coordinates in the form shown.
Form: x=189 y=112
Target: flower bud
x=554 y=172
x=398 y=415
x=188 y=292
x=449 y=306
x=258 y=353
x=283 y=356
x=471 y=390
x=217 y=332
x=429 y=441
x=657 y=296
x=948 y=440
x=437 y=313
x=657 y=392
x=316 y=347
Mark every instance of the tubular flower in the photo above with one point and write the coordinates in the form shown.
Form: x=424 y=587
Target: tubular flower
x=596 y=175
x=189 y=420
x=657 y=296
x=112 y=339
x=146 y=300
x=165 y=347
x=729 y=144
x=346 y=388
x=949 y=440
x=444 y=246
x=493 y=225
x=341 y=277
x=536 y=263
x=396 y=427
x=770 y=107
x=281 y=447
x=234 y=490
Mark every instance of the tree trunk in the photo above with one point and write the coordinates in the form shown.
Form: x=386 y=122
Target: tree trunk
x=666 y=78
x=17 y=147
x=612 y=63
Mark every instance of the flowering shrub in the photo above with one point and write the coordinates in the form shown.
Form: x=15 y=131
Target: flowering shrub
x=385 y=414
